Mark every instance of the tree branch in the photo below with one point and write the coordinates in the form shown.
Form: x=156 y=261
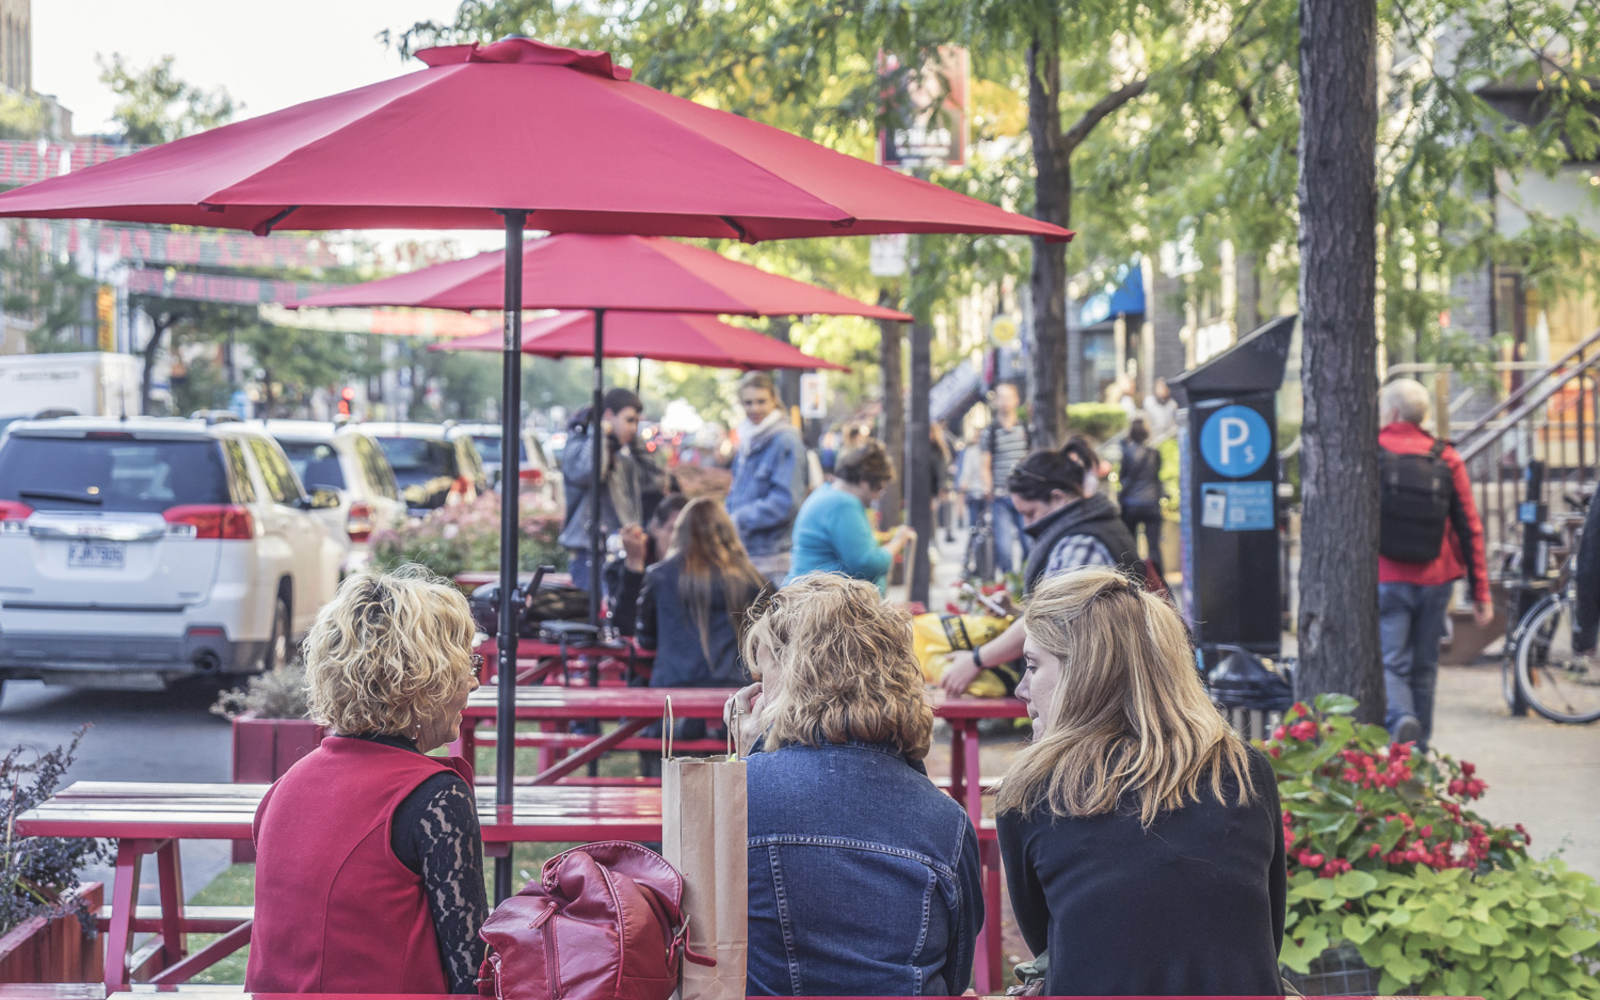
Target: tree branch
x=1074 y=136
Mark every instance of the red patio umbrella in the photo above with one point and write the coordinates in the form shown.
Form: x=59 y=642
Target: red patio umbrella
x=606 y=273
x=682 y=337
x=511 y=135
x=586 y=271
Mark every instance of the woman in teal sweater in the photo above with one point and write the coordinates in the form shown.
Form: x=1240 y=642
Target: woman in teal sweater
x=832 y=533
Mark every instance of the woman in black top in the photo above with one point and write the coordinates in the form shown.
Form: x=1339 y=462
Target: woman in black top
x=1141 y=836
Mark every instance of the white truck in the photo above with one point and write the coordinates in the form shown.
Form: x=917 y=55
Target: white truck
x=92 y=383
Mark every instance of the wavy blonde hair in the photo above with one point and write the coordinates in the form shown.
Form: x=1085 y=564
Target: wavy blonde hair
x=835 y=665
x=387 y=650
x=1129 y=716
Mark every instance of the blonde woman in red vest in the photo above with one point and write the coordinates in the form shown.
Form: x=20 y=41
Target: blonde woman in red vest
x=369 y=866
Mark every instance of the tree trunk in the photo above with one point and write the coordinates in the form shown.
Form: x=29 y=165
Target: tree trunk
x=1338 y=198
x=159 y=326
x=919 y=458
x=1047 y=398
x=890 y=353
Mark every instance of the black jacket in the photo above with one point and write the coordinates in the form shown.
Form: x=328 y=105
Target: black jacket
x=1095 y=516
x=665 y=626
x=1140 y=476
x=1193 y=906
x=1587 y=612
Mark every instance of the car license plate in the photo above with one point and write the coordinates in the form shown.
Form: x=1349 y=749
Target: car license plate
x=96 y=555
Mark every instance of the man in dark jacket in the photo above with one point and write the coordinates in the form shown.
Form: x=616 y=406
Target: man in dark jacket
x=620 y=491
x=1140 y=495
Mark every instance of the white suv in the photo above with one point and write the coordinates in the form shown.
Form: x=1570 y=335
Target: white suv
x=536 y=473
x=143 y=550
x=348 y=461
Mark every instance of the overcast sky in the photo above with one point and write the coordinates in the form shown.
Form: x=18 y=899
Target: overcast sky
x=267 y=53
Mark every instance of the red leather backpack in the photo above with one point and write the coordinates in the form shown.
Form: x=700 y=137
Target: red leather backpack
x=604 y=922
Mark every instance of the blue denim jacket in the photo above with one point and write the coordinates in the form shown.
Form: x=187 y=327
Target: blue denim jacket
x=769 y=482
x=864 y=877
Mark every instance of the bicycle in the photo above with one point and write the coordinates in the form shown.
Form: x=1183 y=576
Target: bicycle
x=1545 y=672
x=977 y=563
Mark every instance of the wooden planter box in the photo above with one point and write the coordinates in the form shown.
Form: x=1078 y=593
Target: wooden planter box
x=263 y=749
x=55 y=949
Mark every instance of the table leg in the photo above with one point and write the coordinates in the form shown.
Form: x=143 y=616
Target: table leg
x=958 y=762
x=124 y=904
x=590 y=751
x=990 y=967
x=973 y=783
x=174 y=942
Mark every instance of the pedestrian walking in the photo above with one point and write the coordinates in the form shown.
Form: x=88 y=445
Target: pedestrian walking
x=1161 y=410
x=1141 y=837
x=770 y=477
x=1140 y=493
x=619 y=492
x=833 y=533
x=1429 y=537
x=1586 y=610
x=1005 y=443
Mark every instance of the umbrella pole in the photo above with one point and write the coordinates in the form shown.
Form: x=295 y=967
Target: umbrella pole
x=638 y=375
x=596 y=440
x=505 y=746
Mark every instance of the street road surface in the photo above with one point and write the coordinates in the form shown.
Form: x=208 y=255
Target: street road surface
x=133 y=736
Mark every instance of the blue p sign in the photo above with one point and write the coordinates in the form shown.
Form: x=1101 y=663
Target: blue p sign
x=1235 y=441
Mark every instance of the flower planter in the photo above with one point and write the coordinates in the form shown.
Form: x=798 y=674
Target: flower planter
x=263 y=749
x=55 y=949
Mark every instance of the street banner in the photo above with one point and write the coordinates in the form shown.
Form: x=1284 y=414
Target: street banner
x=813 y=395
x=925 y=110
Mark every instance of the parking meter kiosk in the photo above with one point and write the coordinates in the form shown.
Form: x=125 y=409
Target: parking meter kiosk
x=1229 y=494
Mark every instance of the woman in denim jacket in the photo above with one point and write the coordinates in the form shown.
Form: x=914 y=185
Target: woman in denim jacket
x=769 y=476
x=864 y=877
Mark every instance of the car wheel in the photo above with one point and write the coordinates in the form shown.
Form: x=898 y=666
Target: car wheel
x=277 y=652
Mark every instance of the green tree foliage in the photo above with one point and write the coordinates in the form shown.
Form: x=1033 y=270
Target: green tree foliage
x=155 y=105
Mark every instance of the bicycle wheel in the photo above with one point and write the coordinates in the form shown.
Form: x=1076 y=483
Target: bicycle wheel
x=1559 y=684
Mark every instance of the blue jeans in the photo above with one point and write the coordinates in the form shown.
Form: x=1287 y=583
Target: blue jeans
x=1410 y=625
x=1007 y=534
x=578 y=568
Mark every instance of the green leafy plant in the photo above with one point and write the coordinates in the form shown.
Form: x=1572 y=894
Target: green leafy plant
x=277 y=694
x=1098 y=420
x=38 y=874
x=1385 y=854
x=463 y=537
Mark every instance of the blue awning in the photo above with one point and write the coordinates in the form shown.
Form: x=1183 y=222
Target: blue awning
x=1121 y=299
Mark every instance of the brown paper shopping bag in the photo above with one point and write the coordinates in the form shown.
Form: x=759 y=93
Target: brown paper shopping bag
x=703 y=834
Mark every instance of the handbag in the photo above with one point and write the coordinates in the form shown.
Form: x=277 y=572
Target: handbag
x=603 y=922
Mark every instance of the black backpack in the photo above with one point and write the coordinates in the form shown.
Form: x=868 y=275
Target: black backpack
x=1414 y=497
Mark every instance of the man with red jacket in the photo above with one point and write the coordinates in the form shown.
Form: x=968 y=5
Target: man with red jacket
x=1414 y=597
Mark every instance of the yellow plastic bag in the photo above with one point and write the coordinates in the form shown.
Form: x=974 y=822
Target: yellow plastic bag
x=934 y=635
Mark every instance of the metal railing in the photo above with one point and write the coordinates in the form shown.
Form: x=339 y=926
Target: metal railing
x=1552 y=417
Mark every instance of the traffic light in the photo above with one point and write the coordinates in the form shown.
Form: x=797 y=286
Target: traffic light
x=105 y=310
x=346 y=394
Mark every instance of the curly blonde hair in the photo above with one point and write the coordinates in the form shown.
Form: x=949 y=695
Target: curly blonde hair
x=835 y=665
x=387 y=650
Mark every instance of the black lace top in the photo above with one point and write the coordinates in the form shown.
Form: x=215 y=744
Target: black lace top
x=435 y=834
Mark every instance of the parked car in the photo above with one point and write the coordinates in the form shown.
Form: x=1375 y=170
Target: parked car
x=145 y=550
x=535 y=470
x=435 y=464
x=350 y=462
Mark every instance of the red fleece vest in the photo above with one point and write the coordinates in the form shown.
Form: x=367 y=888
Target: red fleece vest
x=336 y=911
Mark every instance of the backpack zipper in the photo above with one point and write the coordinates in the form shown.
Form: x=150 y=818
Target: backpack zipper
x=549 y=935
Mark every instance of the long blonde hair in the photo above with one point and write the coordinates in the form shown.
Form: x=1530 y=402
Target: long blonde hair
x=1128 y=716
x=835 y=665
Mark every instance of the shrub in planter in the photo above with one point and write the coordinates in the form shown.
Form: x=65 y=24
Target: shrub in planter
x=1097 y=420
x=463 y=537
x=1387 y=857
x=39 y=875
x=270 y=729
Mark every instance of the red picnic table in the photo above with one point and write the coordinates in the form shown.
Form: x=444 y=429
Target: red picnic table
x=638 y=707
x=155 y=817
x=540 y=662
